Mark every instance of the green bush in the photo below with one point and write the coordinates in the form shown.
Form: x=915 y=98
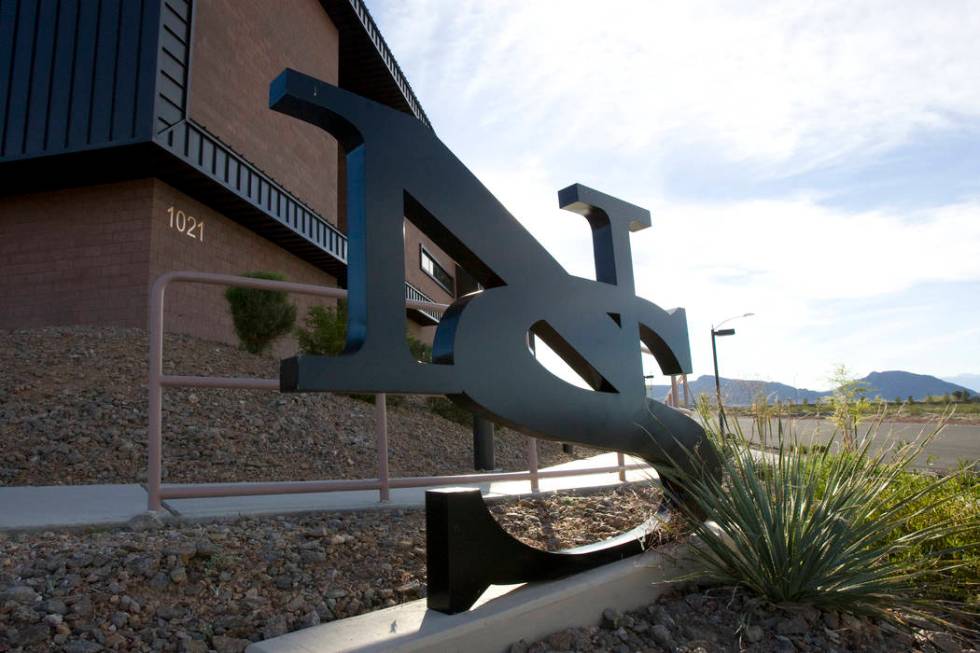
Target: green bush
x=955 y=502
x=260 y=316
x=854 y=530
x=325 y=333
x=448 y=410
x=421 y=351
x=326 y=330
x=850 y=404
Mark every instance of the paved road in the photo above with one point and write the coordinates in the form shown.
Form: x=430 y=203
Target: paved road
x=956 y=443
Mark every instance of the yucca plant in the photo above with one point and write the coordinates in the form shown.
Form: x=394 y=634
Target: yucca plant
x=814 y=525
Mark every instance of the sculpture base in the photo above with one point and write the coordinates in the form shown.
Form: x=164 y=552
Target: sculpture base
x=502 y=616
x=467 y=551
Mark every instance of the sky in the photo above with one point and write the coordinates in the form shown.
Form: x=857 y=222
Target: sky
x=817 y=164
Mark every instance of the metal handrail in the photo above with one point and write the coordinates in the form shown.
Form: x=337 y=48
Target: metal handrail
x=157 y=491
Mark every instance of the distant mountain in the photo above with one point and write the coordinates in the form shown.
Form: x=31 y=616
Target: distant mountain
x=887 y=385
x=741 y=392
x=901 y=385
x=971 y=381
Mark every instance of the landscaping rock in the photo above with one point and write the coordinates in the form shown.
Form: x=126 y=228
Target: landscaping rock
x=611 y=619
x=147 y=521
x=275 y=627
x=662 y=636
x=31 y=634
x=73 y=410
x=193 y=646
x=82 y=646
x=178 y=575
x=754 y=634
x=181 y=586
x=20 y=594
x=712 y=620
x=223 y=644
x=793 y=626
x=945 y=642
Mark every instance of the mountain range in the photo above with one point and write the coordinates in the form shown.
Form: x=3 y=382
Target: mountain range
x=888 y=385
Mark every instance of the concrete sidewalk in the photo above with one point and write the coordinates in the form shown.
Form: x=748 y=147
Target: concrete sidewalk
x=75 y=506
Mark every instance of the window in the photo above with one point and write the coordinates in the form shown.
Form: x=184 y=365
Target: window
x=432 y=268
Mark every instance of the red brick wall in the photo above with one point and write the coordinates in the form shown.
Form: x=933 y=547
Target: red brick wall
x=239 y=46
x=227 y=248
x=88 y=256
x=76 y=256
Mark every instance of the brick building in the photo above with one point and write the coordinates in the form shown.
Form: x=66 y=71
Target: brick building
x=136 y=138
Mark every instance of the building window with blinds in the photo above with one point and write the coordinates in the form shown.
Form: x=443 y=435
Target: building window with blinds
x=438 y=273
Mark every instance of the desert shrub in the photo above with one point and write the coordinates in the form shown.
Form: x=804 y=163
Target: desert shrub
x=448 y=410
x=325 y=330
x=421 y=351
x=325 y=333
x=260 y=316
x=849 y=403
x=955 y=502
x=855 y=530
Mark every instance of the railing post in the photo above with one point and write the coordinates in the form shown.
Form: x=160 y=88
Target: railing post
x=154 y=446
x=687 y=392
x=621 y=461
x=674 y=399
x=532 y=463
x=381 y=433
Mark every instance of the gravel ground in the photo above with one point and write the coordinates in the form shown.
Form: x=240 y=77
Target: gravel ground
x=723 y=620
x=218 y=586
x=73 y=411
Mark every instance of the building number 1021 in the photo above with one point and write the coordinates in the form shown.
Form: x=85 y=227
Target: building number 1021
x=186 y=224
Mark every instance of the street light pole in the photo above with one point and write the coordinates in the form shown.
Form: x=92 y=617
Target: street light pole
x=717 y=333
x=714 y=353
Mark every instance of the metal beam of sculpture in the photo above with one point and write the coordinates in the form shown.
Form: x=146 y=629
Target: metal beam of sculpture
x=467 y=551
x=397 y=169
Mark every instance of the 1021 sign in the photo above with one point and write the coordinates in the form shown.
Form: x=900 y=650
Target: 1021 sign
x=186 y=224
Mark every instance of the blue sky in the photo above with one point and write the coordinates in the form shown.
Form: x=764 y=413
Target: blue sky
x=817 y=164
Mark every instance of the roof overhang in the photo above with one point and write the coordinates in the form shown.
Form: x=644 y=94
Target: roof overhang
x=367 y=66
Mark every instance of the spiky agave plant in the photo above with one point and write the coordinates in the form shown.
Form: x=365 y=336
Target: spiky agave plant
x=804 y=524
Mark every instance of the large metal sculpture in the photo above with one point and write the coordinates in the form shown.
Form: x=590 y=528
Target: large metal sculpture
x=396 y=169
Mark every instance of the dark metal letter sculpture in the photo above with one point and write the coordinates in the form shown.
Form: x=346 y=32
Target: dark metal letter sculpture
x=396 y=169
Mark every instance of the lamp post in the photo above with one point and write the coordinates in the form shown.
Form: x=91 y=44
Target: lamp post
x=717 y=333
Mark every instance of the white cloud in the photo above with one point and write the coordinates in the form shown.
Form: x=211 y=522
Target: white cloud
x=788 y=261
x=785 y=86
x=799 y=248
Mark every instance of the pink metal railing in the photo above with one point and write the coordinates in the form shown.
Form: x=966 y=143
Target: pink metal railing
x=672 y=398
x=157 y=491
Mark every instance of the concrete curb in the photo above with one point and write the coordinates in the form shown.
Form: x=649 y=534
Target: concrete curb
x=503 y=615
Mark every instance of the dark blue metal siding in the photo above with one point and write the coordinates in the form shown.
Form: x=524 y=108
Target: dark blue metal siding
x=174 y=63
x=75 y=74
x=208 y=155
x=84 y=75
